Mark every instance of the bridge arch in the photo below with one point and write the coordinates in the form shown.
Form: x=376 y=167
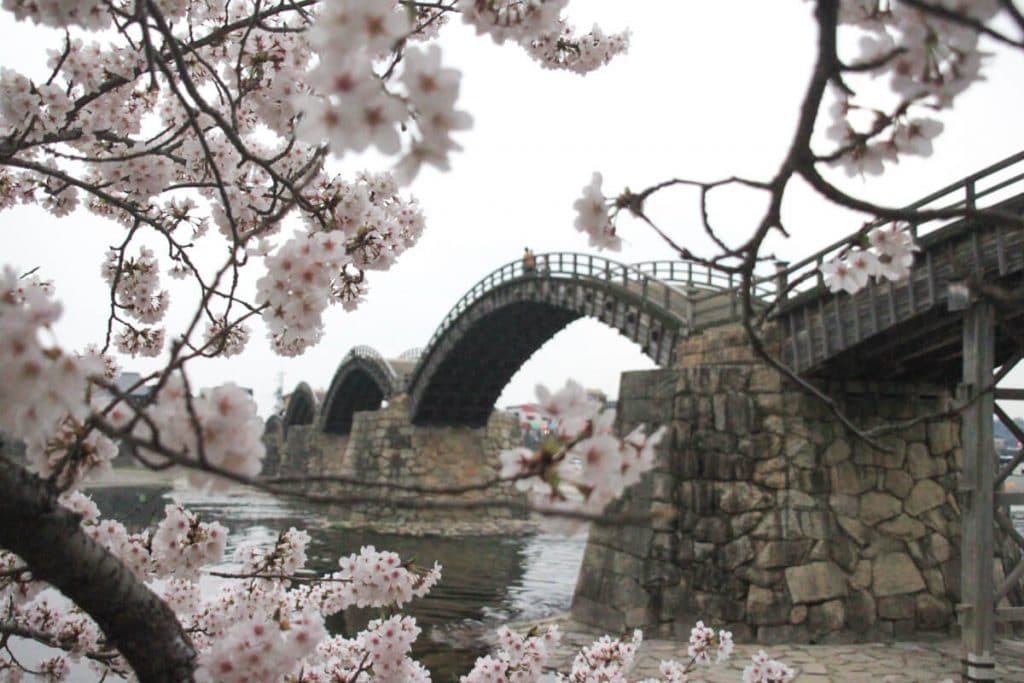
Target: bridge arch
x=509 y=314
x=301 y=409
x=362 y=381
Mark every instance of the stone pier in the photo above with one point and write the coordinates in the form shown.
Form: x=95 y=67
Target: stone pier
x=384 y=448
x=770 y=518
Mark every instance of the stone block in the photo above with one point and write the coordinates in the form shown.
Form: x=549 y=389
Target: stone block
x=943 y=436
x=926 y=494
x=931 y=613
x=843 y=504
x=815 y=524
x=765 y=379
x=702 y=551
x=768 y=404
x=800 y=451
x=766 y=607
x=936 y=584
x=736 y=553
x=843 y=551
x=896 y=607
x=861 y=574
x=770 y=526
x=798 y=614
x=745 y=522
x=846 y=477
x=837 y=452
x=736 y=497
x=627 y=593
x=921 y=464
x=764 y=445
x=635 y=541
x=898 y=483
x=764 y=578
x=895 y=573
x=712 y=530
x=638 y=617
x=855 y=529
x=799 y=500
x=876 y=507
x=904 y=527
x=861 y=611
x=815 y=582
x=824 y=618
x=781 y=554
x=819 y=551
x=597 y=613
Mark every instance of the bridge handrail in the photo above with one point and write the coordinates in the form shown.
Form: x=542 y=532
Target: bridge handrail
x=567 y=266
x=369 y=353
x=964 y=193
x=698 y=276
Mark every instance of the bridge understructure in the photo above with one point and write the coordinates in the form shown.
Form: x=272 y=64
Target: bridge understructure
x=776 y=521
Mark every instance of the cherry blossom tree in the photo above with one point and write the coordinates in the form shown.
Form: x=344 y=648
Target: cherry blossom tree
x=192 y=122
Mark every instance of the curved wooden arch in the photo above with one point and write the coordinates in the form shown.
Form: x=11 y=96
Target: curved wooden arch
x=301 y=409
x=509 y=314
x=362 y=381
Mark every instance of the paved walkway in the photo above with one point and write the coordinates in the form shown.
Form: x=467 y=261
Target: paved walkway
x=918 y=662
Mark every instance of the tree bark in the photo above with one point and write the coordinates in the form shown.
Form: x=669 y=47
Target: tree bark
x=49 y=538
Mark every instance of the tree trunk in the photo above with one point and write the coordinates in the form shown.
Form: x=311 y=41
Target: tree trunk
x=50 y=540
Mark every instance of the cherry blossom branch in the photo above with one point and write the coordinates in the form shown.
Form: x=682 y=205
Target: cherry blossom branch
x=9 y=628
x=48 y=537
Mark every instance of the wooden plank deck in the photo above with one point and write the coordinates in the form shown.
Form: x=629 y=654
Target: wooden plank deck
x=829 y=334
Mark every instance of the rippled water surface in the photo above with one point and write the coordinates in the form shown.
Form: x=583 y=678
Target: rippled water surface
x=486 y=580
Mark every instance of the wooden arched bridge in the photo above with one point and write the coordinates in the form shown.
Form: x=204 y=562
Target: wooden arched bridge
x=509 y=314
x=955 y=321
x=885 y=331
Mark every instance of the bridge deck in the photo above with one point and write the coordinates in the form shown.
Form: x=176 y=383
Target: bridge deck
x=896 y=329
x=904 y=329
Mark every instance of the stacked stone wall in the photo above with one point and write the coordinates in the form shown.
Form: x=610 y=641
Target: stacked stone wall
x=770 y=518
x=385 y=448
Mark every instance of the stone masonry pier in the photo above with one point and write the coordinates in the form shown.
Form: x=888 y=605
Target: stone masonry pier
x=770 y=519
x=383 y=447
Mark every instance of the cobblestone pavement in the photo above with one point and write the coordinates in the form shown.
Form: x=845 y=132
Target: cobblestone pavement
x=917 y=662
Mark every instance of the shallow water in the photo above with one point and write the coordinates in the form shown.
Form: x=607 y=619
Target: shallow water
x=486 y=580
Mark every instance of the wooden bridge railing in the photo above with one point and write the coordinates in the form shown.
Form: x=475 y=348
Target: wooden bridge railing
x=573 y=266
x=982 y=190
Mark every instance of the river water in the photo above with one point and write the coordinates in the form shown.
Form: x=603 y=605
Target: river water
x=486 y=580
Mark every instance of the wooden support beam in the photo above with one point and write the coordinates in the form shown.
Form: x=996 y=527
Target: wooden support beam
x=1011 y=580
x=1010 y=498
x=1010 y=614
x=976 y=484
x=1009 y=394
x=1008 y=422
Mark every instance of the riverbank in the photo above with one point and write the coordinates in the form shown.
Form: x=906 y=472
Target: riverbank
x=448 y=527
x=134 y=476
x=427 y=522
x=929 y=661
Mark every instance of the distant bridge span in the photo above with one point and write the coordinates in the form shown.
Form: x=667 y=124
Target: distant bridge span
x=509 y=314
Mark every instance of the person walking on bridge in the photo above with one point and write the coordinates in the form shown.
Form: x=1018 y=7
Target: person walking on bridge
x=529 y=261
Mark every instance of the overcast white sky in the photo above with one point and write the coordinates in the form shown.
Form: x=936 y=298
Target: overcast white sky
x=707 y=90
